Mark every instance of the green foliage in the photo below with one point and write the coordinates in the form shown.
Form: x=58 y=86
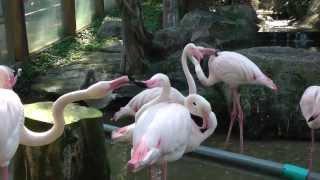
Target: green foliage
x=152 y=11
x=292 y=8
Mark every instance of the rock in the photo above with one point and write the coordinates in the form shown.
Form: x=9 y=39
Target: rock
x=110 y=28
x=227 y=24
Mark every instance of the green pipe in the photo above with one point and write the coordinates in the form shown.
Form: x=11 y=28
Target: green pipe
x=287 y=171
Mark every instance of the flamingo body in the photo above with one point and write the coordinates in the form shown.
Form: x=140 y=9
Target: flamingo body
x=233 y=69
x=144 y=97
x=12 y=119
x=310 y=108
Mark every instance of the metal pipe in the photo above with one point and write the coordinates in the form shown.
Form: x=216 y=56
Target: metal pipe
x=250 y=163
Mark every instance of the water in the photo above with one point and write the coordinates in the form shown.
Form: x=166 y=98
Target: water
x=190 y=168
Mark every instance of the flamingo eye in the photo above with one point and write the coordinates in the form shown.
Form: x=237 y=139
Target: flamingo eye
x=194 y=103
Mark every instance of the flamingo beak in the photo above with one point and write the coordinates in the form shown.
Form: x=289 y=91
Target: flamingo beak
x=119 y=82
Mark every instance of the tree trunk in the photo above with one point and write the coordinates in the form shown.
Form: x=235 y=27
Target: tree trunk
x=136 y=39
x=170 y=13
x=80 y=154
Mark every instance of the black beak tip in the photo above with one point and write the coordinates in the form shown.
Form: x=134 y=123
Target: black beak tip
x=311 y=119
x=140 y=84
x=131 y=78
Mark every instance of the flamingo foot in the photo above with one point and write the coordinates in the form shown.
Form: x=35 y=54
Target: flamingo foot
x=5 y=173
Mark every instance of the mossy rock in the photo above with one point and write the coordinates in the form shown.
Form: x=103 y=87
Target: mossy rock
x=42 y=111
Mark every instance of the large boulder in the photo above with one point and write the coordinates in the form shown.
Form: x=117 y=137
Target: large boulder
x=225 y=24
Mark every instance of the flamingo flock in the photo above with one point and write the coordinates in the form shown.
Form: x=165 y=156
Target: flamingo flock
x=165 y=125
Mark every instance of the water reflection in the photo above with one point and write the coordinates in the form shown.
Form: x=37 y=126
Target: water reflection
x=294 y=152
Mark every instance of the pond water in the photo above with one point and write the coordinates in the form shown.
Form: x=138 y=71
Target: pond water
x=191 y=168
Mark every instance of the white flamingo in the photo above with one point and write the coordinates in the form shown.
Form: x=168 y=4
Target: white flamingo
x=233 y=69
x=165 y=131
x=13 y=132
x=190 y=51
x=310 y=108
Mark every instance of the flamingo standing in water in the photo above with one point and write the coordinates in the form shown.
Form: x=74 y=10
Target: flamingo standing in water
x=13 y=130
x=165 y=131
x=233 y=69
x=190 y=51
x=310 y=107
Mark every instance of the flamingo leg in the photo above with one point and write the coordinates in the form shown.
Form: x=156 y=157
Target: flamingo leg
x=233 y=115
x=164 y=170
x=311 y=151
x=240 y=119
x=5 y=173
x=155 y=172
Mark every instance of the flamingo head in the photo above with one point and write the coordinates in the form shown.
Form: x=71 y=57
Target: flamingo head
x=309 y=105
x=103 y=88
x=157 y=80
x=198 y=53
x=7 y=77
x=263 y=80
x=199 y=106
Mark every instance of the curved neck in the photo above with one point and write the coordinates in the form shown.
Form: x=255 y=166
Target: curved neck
x=31 y=138
x=164 y=96
x=190 y=80
x=202 y=77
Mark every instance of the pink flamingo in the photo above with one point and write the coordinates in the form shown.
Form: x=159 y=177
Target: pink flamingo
x=13 y=130
x=154 y=136
x=7 y=77
x=233 y=69
x=190 y=51
x=309 y=105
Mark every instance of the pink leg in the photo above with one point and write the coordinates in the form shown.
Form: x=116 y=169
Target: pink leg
x=240 y=118
x=155 y=172
x=5 y=173
x=164 y=170
x=233 y=116
x=311 y=151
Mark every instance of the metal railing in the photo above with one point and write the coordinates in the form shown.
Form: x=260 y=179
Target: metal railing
x=249 y=163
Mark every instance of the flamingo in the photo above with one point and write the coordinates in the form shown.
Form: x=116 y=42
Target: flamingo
x=309 y=105
x=233 y=69
x=14 y=132
x=155 y=137
x=190 y=51
x=7 y=77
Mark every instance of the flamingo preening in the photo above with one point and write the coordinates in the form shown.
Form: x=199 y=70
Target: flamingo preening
x=13 y=132
x=190 y=51
x=310 y=108
x=165 y=131
x=233 y=69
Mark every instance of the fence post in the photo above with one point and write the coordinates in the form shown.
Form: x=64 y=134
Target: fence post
x=69 y=17
x=99 y=8
x=16 y=29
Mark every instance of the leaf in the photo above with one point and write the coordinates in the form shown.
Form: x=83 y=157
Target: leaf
x=42 y=111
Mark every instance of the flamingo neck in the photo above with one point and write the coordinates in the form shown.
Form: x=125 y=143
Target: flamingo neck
x=206 y=81
x=190 y=80
x=31 y=138
x=164 y=96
